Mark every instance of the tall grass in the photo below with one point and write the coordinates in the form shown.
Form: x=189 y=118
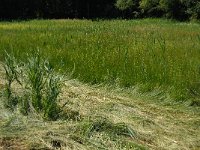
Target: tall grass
x=12 y=74
x=152 y=53
x=40 y=86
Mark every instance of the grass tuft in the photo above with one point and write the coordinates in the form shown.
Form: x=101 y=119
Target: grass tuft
x=41 y=86
x=12 y=74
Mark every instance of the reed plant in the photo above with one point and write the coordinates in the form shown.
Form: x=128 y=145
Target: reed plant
x=52 y=90
x=39 y=83
x=12 y=74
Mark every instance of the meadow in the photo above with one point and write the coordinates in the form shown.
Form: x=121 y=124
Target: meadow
x=151 y=54
x=83 y=84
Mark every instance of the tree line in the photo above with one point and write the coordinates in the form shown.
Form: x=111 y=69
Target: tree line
x=29 y=9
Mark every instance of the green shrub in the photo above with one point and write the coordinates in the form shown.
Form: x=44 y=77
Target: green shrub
x=124 y=4
x=151 y=8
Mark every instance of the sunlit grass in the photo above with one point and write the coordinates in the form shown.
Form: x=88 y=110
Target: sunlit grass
x=152 y=53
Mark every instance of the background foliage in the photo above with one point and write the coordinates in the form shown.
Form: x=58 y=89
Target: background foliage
x=28 y=9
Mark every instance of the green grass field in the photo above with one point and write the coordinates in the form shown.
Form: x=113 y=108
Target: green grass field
x=128 y=84
x=150 y=53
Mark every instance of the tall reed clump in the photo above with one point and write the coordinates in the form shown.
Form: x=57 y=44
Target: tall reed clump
x=52 y=91
x=35 y=80
x=40 y=85
x=12 y=74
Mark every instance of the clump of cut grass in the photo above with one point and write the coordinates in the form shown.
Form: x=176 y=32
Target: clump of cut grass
x=71 y=115
x=104 y=125
x=101 y=132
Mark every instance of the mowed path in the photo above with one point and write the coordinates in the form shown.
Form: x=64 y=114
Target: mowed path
x=157 y=126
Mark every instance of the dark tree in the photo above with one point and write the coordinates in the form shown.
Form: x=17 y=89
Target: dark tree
x=28 y=9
